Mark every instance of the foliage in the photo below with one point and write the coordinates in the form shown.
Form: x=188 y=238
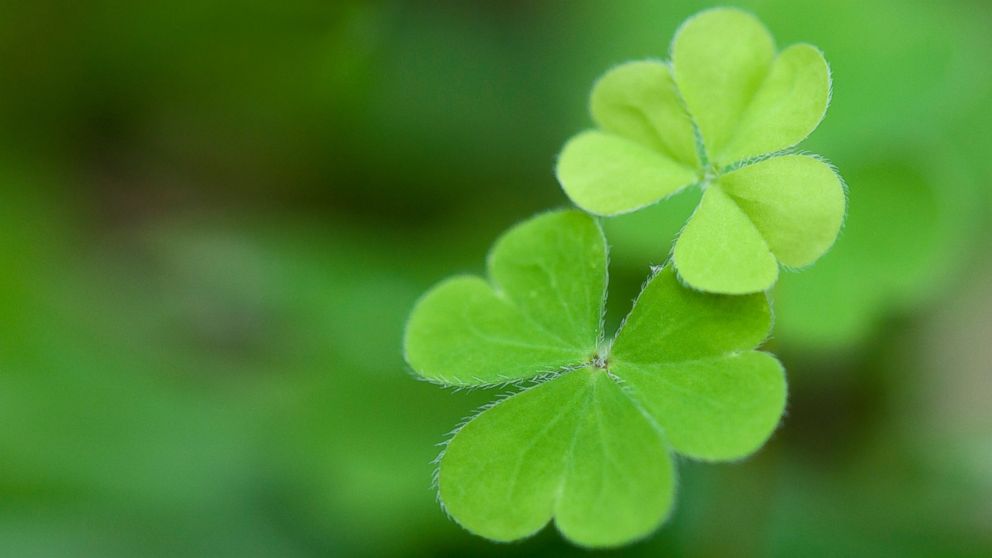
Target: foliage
x=589 y=445
x=218 y=215
x=718 y=116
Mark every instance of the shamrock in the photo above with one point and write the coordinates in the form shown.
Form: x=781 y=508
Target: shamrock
x=721 y=116
x=590 y=443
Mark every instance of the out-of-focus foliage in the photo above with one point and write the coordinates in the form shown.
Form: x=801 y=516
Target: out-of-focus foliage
x=216 y=216
x=905 y=239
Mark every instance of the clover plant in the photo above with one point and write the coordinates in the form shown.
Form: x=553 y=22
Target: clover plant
x=720 y=116
x=590 y=443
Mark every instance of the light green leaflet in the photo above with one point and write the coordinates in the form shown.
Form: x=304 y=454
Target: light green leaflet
x=716 y=117
x=590 y=445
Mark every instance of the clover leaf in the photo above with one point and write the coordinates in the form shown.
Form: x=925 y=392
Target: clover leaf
x=718 y=116
x=540 y=313
x=590 y=444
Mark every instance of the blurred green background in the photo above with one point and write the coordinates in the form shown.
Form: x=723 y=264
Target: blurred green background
x=216 y=215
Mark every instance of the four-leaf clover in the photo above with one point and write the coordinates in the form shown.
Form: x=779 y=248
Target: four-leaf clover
x=719 y=116
x=590 y=444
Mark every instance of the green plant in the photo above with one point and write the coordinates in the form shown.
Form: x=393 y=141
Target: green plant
x=720 y=117
x=590 y=444
x=586 y=445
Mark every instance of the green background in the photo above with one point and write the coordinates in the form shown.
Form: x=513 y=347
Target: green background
x=215 y=217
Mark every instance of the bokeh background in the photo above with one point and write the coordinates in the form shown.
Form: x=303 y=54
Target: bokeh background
x=215 y=216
